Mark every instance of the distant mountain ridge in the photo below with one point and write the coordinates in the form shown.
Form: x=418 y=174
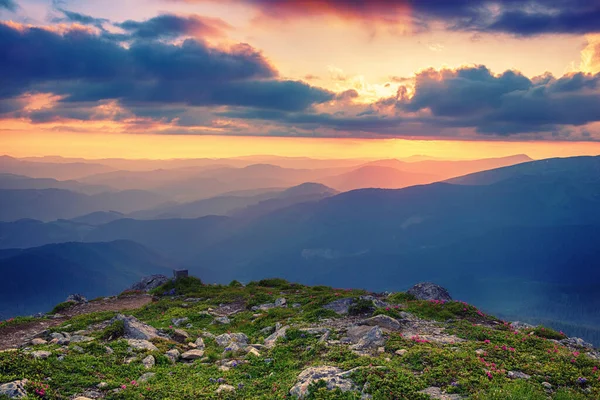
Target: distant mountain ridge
x=35 y=279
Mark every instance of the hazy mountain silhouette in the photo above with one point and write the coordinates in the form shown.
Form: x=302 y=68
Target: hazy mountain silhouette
x=237 y=204
x=374 y=176
x=36 y=279
x=11 y=181
x=52 y=204
x=60 y=171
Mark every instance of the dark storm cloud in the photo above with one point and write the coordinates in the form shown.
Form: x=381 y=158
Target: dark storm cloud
x=510 y=16
x=84 y=67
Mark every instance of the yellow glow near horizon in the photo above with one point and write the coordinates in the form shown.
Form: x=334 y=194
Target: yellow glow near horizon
x=96 y=145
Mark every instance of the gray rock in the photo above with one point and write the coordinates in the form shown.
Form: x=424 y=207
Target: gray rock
x=179 y=321
x=192 y=355
x=264 y=307
x=280 y=302
x=41 y=355
x=149 y=362
x=173 y=355
x=237 y=340
x=146 y=377
x=135 y=329
x=429 y=291
x=102 y=385
x=179 y=335
x=371 y=340
x=575 y=342
x=223 y=320
x=200 y=343
x=272 y=339
x=78 y=349
x=332 y=376
x=517 y=375
x=382 y=321
x=14 y=389
x=77 y=298
x=340 y=306
x=438 y=394
x=38 y=341
x=547 y=385
x=81 y=339
x=139 y=344
x=518 y=325
x=148 y=283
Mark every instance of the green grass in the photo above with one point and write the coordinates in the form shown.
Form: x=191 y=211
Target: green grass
x=456 y=368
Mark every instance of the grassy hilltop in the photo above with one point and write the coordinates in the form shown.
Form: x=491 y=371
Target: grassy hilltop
x=274 y=339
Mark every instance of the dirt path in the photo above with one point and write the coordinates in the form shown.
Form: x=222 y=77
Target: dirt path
x=13 y=336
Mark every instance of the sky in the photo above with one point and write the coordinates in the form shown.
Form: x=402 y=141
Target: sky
x=322 y=78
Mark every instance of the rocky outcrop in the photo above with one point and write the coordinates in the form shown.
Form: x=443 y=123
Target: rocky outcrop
x=135 y=329
x=234 y=342
x=429 y=291
x=333 y=377
x=14 y=390
x=148 y=283
x=140 y=344
x=341 y=306
x=383 y=321
x=77 y=298
x=272 y=339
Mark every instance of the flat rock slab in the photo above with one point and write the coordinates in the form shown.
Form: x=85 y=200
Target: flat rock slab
x=192 y=355
x=383 y=321
x=135 y=329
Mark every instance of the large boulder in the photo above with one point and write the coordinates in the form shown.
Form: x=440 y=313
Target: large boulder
x=333 y=377
x=429 y=291
x=148 y=283
x=135 y=329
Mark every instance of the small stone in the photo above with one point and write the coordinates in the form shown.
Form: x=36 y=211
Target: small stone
x=268 y=330
x=278 y=326
x=517 y=375
x=102 y=385
x=38 y=342
x=180 y=336
x=225 y=388
x=77 y=349
x=146 y=377
x=130 y=360
x=173 y=355
x=200 y=343
x=401 y=352
x=296 y=305
x=149 y=362
x=192 y=355
x=81 y=398
x=381 y=350
x=547 y=385
x=280 y=302
x=480 y=352
x=108 y=350
x=41 y=355
x=224 y=368
x=142 y=345
x=438 y=394
x=223 y=320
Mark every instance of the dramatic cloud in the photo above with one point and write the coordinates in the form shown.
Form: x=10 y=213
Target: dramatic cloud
x=511 y=16
x=171 y=26
x=81 y=66
x=70 y=16
x=9 y=5
x=504 y=104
